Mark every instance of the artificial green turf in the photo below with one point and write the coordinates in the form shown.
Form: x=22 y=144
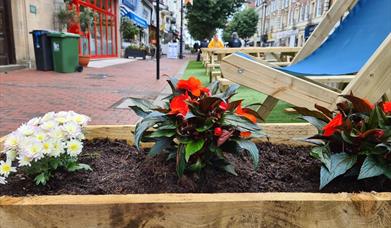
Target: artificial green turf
x=250 y=96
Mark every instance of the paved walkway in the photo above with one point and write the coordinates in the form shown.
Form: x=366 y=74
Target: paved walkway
x=25 y=94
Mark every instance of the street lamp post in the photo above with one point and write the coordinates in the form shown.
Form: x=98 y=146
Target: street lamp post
x=181 y=35
x=157 y=52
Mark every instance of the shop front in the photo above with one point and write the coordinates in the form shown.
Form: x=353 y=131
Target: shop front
x=99 y=37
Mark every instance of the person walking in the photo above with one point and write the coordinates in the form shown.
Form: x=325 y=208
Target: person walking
x=235 y=41
x=216 y=42
x=204 y=44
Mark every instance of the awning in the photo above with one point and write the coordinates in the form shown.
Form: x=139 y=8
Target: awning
x=125 y=12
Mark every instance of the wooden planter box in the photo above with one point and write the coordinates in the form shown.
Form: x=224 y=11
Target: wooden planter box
x=135 y=53
x=199 y=210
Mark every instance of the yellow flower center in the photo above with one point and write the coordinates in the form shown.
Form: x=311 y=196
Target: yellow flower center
x=74 y=147
x=6 y=168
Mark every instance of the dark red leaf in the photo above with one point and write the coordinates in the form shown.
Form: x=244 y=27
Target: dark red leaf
x=325 y=111
x=360 y=105
x=316 y=114
x=224 y=137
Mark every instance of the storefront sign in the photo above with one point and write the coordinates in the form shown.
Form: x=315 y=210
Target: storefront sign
x=131 y=4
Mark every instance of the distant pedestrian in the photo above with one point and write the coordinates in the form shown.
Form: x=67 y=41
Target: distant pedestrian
x=196 y=46
x=235 y=41
x=216 y=42
x=204 y=44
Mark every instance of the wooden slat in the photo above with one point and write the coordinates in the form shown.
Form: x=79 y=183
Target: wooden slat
x=267 y=107
x=321 y=32
x=374 y=79
x=280 y=85
x=199 y=210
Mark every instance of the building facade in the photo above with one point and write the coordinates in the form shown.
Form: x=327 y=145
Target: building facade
x=18 y=18
x=288 y=22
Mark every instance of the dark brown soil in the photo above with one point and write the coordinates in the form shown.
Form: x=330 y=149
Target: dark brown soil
x=121 y=169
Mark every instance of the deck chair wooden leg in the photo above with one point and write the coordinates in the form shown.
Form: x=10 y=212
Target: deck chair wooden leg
x=267 y=107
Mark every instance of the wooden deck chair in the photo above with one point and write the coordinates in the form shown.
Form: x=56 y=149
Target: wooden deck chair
x=359 y=46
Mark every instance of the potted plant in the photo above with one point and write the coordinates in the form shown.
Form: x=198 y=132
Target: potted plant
x=86 y=19
x=65 y=15
x=135 y=51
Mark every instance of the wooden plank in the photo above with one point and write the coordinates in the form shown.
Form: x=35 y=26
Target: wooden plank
x=374 y=79
x=283 y=86
x=276 y=131
x=322 y=31
x=267 y=107
x=199 y=210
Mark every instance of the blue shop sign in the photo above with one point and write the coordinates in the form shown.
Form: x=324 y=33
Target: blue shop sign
x=131 y=4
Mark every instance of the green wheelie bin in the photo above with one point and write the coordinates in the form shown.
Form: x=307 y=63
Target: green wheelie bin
x=65 y=48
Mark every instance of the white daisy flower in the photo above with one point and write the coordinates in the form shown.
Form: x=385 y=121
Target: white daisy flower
x=6 y=168
x=57 y=133
x=24 y=160
x=34 y=121
x=2 y=180
x=12 y=140
x=74 y=147
x=48 y=116
x=26 y=130
x=82 y=120
x=34 y=150
x=72 y=129
x=58 y=149
x=47 y=147
x=40 y=136
x=49 y=125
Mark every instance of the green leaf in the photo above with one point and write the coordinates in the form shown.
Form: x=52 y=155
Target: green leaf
x=230 y=169
x=319 y=124
x=340 y=163
x=206 y=126
x=162 y=133
x=193 y=147
x=196 y=167
x=180 y=160
x=370 y=169
x=141 y=107
x=240 y=122
x=250 y=147
x=323 y=154
x=72 y=167
x=160 y=145
x=42 y=179
x=150 y=120
x=214 y=87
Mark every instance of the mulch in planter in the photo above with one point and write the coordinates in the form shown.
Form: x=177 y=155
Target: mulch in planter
x=121 y=169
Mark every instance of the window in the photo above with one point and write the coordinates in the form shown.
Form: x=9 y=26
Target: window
x=319 y=8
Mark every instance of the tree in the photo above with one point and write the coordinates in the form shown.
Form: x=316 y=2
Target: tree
x=244 y=23
x=205 y=16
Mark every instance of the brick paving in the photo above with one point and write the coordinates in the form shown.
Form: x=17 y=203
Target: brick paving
x=25 y=94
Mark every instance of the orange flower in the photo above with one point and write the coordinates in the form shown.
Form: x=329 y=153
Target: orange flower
x=330 y=128
x=193 y=85
x=242 y=112
x=245 y=134
x=179 y=106
x=387 y=107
